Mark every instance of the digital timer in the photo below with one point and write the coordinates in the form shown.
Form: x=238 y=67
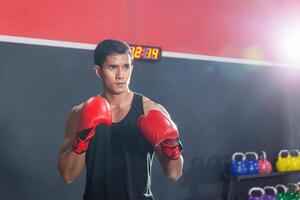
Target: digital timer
x=149 y=53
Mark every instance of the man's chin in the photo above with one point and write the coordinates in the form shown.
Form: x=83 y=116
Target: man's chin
x=119 y=91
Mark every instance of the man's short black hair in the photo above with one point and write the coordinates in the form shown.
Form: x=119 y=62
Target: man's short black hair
x=108 y=47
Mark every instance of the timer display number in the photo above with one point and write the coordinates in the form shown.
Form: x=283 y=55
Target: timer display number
x=140 y=52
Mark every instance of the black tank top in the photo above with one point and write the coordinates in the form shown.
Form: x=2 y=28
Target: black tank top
x=119 y=160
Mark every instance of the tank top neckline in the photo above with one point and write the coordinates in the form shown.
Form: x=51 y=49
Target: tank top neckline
x=130 y=110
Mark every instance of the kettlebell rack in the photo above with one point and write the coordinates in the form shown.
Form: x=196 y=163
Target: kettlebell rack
x=234 y=180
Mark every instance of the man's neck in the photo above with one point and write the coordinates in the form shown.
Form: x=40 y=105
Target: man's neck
x=118 y=99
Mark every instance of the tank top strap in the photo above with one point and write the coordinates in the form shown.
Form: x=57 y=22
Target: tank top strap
x=137 y=104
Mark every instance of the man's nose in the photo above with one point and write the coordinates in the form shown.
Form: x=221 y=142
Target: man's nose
x=120 y=74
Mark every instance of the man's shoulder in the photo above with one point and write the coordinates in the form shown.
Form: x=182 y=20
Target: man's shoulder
x=74 y=113
x=148 y=103
x=72 y=119
x=152 y=105
x=76 y=109
x=146 y=100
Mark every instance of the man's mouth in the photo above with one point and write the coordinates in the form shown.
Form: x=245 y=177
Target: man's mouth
x=120 y=83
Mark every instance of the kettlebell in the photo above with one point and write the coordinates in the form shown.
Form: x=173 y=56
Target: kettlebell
x=293 y=192
x=294 y=163
x=251 y=162
x=238 y=167
x=270 y=193
x=256 y=193
x=298 y=160
x=281 y=191
x=282 y=163
x=264 y=166
x=296 y=191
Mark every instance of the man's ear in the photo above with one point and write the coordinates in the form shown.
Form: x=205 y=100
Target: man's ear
x=98 y=71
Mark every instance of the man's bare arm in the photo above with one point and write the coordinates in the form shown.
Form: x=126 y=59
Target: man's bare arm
x=71 y=164
x=171 y=168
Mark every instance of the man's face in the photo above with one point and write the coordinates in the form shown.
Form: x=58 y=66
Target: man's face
x=115 y=73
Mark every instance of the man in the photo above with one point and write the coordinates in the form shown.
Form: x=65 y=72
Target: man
x=116 y=133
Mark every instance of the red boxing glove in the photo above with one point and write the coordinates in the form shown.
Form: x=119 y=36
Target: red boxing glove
x=95 y=111
x=158 y=129
x=171 y=148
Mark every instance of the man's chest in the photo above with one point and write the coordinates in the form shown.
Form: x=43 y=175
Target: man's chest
x=119 y=113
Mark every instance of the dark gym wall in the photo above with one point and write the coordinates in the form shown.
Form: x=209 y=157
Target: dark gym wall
x=219 y=108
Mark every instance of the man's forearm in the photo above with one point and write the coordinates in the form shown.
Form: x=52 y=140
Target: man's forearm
x=70 y=164
x=171 y=168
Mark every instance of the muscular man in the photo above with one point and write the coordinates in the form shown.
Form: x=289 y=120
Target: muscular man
x=116 y=134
